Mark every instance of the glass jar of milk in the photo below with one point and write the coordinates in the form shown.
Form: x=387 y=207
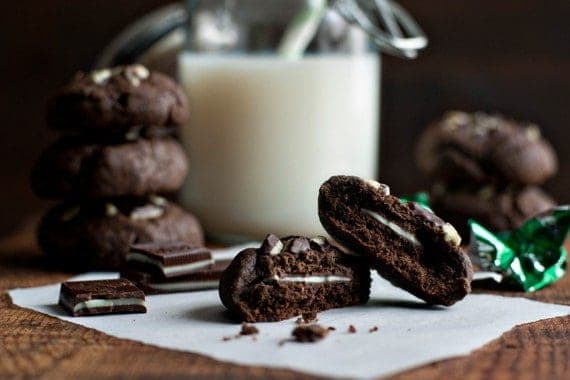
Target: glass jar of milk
x=283 y=95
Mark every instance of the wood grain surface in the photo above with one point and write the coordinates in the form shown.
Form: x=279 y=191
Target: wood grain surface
x=34 y=345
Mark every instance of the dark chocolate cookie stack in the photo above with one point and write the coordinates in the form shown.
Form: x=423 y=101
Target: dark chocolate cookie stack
x=487 y=168
x=113 y=168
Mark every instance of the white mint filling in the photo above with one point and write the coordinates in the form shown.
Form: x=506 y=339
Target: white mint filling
x=134 y=74
x=478 y=276
x=147 y=212
x=100 y=303
x=186 y=285
x=111 y=209
x=277 y=248
x=171 y=270
x=320 y=240
x=157 y=200
x=311 y=279
x=384 y=189
x=100 y=76
x=451 y=235
x=394 y=227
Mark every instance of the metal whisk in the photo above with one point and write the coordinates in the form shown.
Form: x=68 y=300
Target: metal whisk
x=388 y=24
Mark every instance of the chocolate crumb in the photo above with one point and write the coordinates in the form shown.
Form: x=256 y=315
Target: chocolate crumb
x=309 y=333
x=351 y=329
x=330 y=328
x=308 y=317
x=283 y=341
x=373 y=329
x=247 y=329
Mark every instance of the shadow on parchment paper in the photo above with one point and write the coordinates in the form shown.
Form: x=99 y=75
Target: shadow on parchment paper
x=56 y=310
x=213 y=314
x=218 y=314
x=402 y=304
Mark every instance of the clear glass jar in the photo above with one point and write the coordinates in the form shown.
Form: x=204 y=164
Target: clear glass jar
x=278 y=105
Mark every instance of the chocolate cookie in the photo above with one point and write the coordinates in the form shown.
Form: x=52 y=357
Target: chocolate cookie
x=73 y=167
x=408 y=245
x=97 y=234
x=485 y=148
x=497 y=210
x=117 y=98
x=287 y=277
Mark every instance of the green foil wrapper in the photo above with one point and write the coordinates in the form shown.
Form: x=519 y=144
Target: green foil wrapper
x=530 y=257
x=421 y=198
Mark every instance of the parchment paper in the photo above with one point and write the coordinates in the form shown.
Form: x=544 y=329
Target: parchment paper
x=409 y=333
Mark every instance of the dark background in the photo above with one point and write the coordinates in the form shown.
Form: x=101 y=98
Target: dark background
x=510 y=56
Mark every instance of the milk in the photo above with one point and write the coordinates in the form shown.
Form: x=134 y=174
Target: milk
x=264 y=133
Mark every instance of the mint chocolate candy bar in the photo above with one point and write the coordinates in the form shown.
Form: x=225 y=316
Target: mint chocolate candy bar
x=202 y=279
x=101 y=297
x=169 y=259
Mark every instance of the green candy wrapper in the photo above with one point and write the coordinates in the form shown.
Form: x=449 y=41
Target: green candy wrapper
x=421 y=198
x=530 y=257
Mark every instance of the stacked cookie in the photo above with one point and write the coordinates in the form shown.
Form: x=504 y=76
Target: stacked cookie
x=113 y=168
x=487 y=168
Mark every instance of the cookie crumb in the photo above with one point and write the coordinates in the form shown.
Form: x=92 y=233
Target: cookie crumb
x=309 y=333
x=373 y=329
x=307 y=317
x=247 y=329
x=331 y=328
x=283 y=341
x=310 y=317
x=351 y=329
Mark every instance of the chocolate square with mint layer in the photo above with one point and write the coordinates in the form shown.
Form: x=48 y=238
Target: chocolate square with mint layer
x=201 y=279
x=169 y=259
x=101 y=297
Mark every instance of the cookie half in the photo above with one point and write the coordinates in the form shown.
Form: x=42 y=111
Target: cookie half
x=73 y=167
x=116 y=99
x=482 y=148
x=98 y=234
x=408 y=245
x=287 y=277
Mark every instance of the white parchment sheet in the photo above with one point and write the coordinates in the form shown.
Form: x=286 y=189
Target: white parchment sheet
x=409 y=334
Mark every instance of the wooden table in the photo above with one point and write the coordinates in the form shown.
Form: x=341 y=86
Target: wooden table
x=33 y=345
